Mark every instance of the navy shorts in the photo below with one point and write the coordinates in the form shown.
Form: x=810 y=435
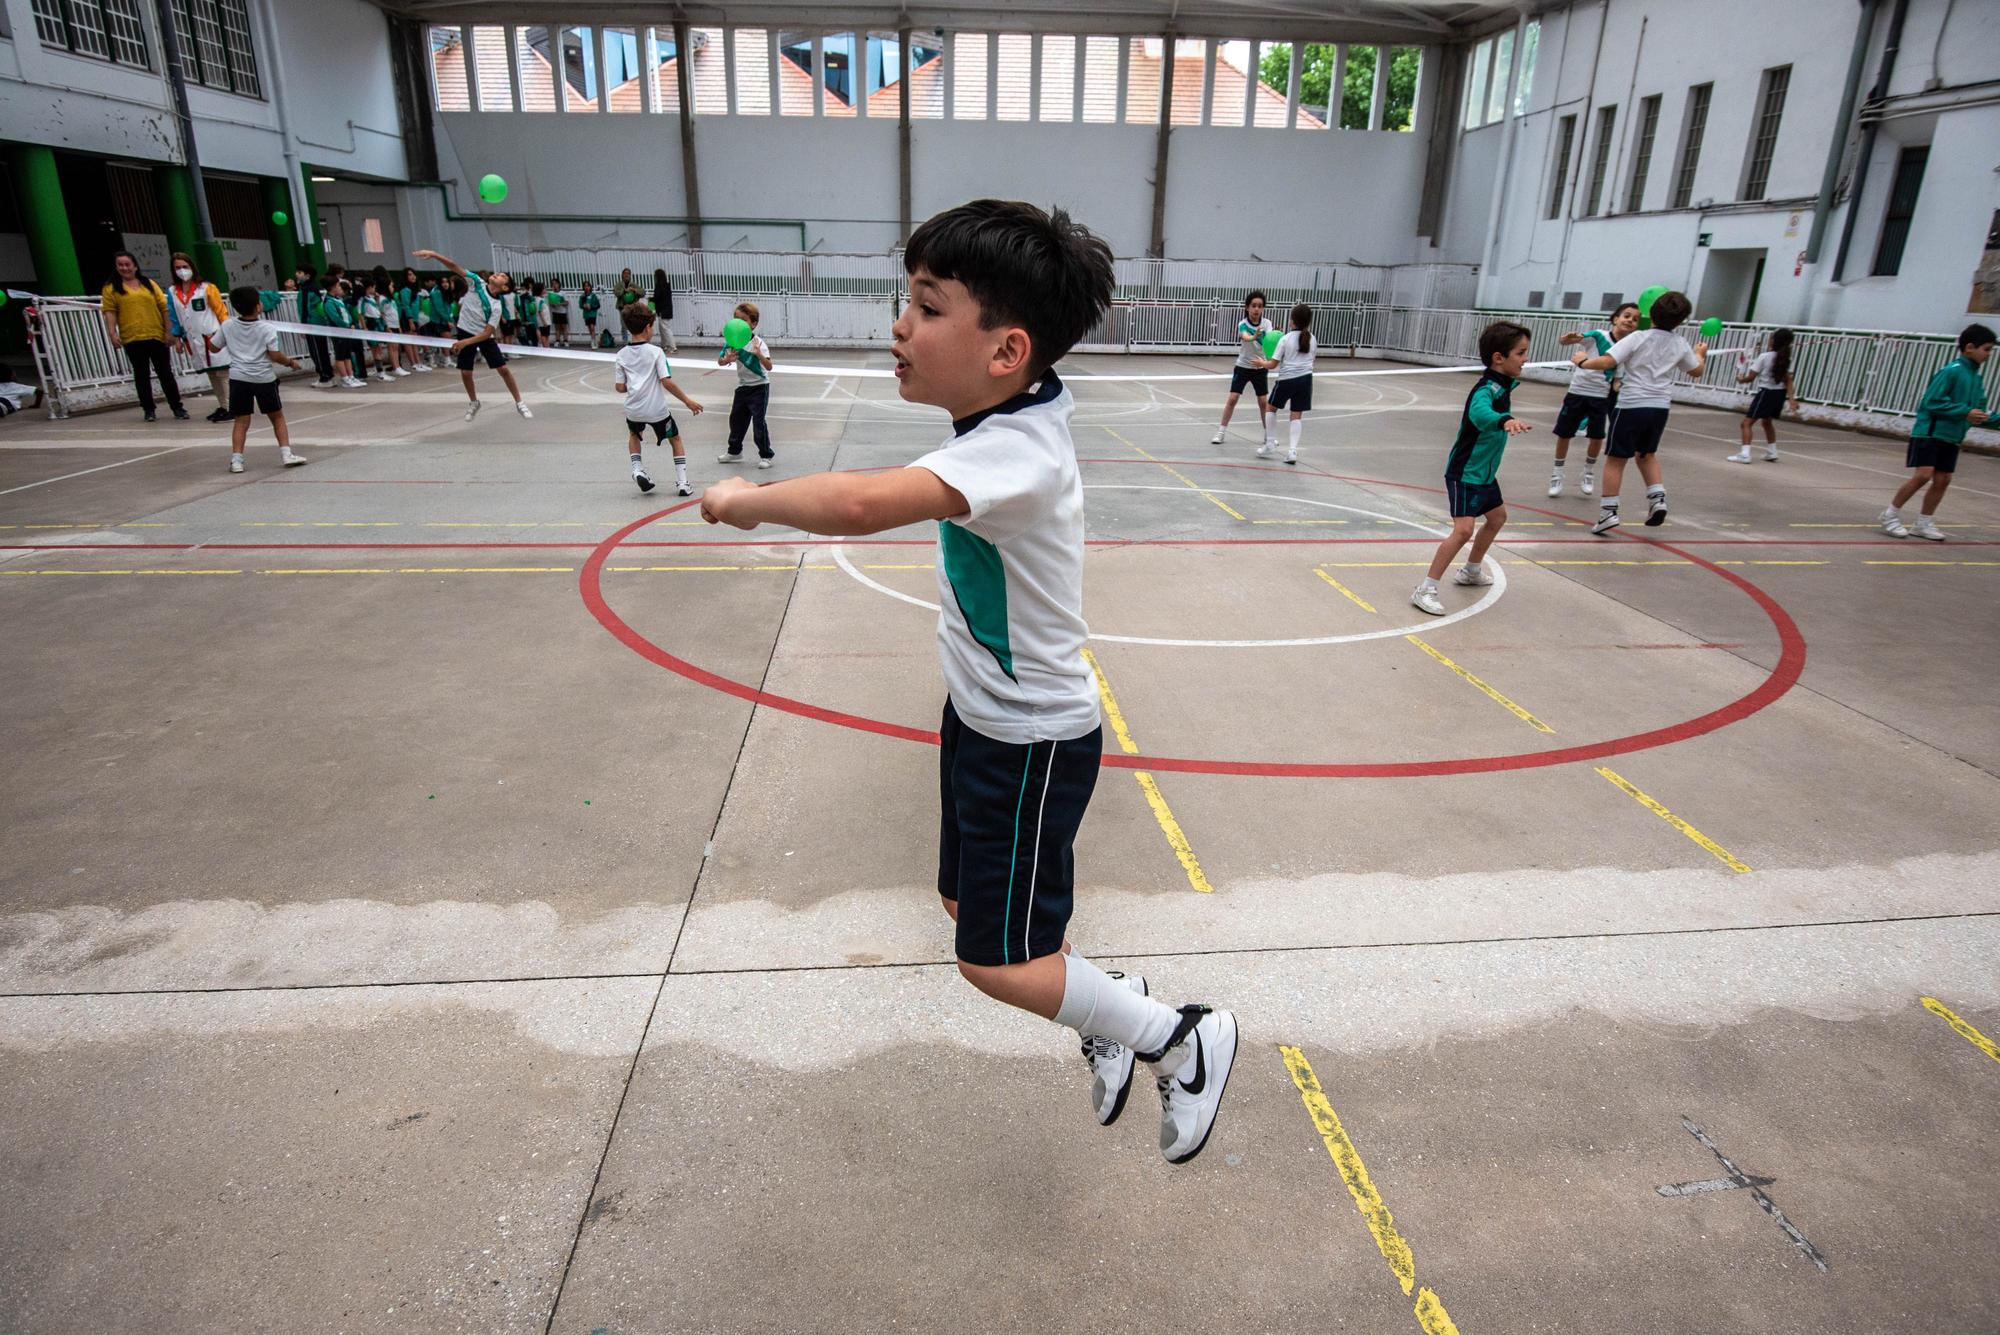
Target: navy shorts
x=1257 y=377
x=1766 y=403
x=1930 y=452
x=1469 y=500
x=1010 y=813
x=664 y=429
x=1295 y=394
x=1581 y=412
x=258 y=395
x=347 y=350
x=1636 y=432
x=488 y=349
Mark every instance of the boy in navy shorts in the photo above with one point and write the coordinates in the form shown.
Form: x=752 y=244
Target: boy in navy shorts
x=999 y=292
x=1474 y=463
x=1953 y=400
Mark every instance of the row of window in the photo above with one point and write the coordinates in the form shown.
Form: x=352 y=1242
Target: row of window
x=1488 y=70
x=1057 y=77
x=213 y=36
x=1694 y=130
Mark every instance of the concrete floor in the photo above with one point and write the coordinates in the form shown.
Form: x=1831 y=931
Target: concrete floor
x=387 y=945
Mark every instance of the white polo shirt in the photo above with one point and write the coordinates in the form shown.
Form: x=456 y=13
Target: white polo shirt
x=1010 y=572
x=1593 y=384
x=640 y=366
x=1292 y=363
x=1649 y=359
x=475 y=309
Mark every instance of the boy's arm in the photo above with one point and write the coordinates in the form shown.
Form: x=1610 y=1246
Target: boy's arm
x=1486 y=417
x=835 y=504
x=1604 y=362
x=1700 y=355
x=727 y=358
x=1571 y=339
x=667 y=383
x=450 y=264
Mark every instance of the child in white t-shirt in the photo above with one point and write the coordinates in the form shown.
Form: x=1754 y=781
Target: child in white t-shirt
x=1294 y=391
x=645 y=380
x=1647 y=360
x=254 y=356
x=1250 y=368
x=1769 y=376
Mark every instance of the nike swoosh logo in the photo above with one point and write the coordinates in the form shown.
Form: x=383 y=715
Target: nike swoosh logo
x=1200 y=1081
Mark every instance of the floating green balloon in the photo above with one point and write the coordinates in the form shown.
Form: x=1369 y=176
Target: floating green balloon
x=3 y=296
x=278 y=217
x=737 y=334
x=1646 y=300
x=492 y=188
x=1711 y=327
x=1270 y=343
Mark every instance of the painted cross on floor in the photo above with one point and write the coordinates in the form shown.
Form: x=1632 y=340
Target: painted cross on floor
x=1735 y=1179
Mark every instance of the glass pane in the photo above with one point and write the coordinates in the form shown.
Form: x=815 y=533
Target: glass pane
x=622 y=69
x=127 y=31
x=795 y=84
x=837 y=51
x=184 y=37
x=448 y=86
x=711 y=83
x=214 y=61
x=242 y=54
x=86 y=28
x=1142 y=81
x=579 y=69
x=926 y=78
x=968 y=76
x=1226 y=103
x=753 y=72
x=1530 y=44
x=1010 y=86
x=1100 y=79
x=1058 y=78
x=1405 y=67
x=1475 y=86
x=1357 y=87
x=1315 y=81
x=533 y=56
x=1503 y=59
x=663 y=71
x=489 y=55
x=1274 y=69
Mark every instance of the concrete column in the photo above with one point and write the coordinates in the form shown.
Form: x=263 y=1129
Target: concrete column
x=51 y=239
x=315 y=247
x=1159 y=243
x=690 y=177
x=181 y=217
x=1292 y=86
x=1378 y=105
x=903 y=150
x=1208 y=82
x=284 y=242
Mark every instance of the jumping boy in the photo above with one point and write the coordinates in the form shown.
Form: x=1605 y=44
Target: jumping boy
x=1471 y=470
x=645 y=380
x=753 y=393
x=254 y=355
x=1592 y=397
x=1952 y=402
x=999 y=292
x=479 y=335
x=1648 y=359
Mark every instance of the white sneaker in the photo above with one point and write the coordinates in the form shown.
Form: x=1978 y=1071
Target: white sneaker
x=1771 y=455
x=1216 y=439
x=1270 y=443
x=1926 y=527
x=421 y=368
x=522 y=408
x=1264 y=451
x=1111 y=1065
x=1476 y=575
x=401 y=371
x=1892 y=524
x=1606 y=522
x=289 y=460
x=684 y=489
x=1656 y=511
x=642 y=477
x=1741 y=456
x=1589 y=484
x=1556 y=483
x=1291 y=456
x=472 y=409
x=1190 y=1097
x=727 y=458
x=235 y=463
x=351 y=383
x=764 y=463
x=381 y=375
x=1425 y=599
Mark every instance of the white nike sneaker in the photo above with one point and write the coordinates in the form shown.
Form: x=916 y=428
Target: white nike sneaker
x=235 y=463
x=1476 y=575
x=400 y=372
x=1556 y=484
x=1926 y=527
x=1200 y=1064
x=1771 y=455
x=1589 y=485
x=1111 y=1064
x=1425 y=599
x=422 y=368
x=1606 y=522
x=642 y=477
x=522 y=408
x=1892 y=524
x=1216 y=439
x=1656 y=511
x=1741 y=456
x=287 y=459
x=472 y=409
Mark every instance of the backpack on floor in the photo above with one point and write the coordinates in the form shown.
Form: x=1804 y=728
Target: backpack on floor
x=604 y=340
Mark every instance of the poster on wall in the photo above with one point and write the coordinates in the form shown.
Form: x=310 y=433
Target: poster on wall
x=249 y=259
x=1986 y=278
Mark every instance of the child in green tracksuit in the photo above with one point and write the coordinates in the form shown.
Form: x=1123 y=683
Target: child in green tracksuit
x=1472 y=470
x=1954 y=401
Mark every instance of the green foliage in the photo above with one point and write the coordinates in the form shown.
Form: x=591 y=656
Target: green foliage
x=1357 y=85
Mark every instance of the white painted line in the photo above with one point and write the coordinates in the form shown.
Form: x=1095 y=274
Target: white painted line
x=29 y=486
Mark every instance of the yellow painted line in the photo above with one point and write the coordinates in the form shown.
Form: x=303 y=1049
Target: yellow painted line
x=1346 y=592
x=1430 y=1313
x=1176 y=837
x=1721 y=854
x=1495 y=696
x=1187 y=481
x=1965 y=1031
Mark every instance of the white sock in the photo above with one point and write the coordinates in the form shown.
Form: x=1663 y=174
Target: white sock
x=1657 y=489
x=1298 y=429
x=635 y=461
x=1560 y=463
x=1608 y=502
x=1473 y=566
x=1096 y=1004
x=680 y=470
x=1264 y=420
x=1427 y=583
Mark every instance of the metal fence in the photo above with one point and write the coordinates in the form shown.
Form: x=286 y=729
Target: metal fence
x=81 y=370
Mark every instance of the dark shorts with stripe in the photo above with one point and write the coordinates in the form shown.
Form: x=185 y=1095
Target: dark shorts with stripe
x=1636 y=432
x=1766 y=403
x=488 y=349
x=1295 y=394
x=1256 y=377
x=1581 y=412
x=1469 y=500
x=1930 y=452
x=1010 y=813
x=663 y=430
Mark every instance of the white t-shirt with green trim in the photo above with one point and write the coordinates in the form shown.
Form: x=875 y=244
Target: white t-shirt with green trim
x=476 y=308
x=1593 y=384
x=1249 y=354
x=1010 y=572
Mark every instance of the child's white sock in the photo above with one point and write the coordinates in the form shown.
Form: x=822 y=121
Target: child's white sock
x=1427 y=583
x=1560 y=463
x=1264 y=420
x=635 y=458
x=1097 y=1004
x=1473 y=566
x=1657 y=489
x=1608 y=502
x=680 y=468
x=1298 y=429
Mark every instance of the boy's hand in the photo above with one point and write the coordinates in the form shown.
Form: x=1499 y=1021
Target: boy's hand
x=1514 y=426
x=716 y=502
x=1976 y=416
x=459 y=345
x=1700 y=348
x=1580 y=358
x=694 y=410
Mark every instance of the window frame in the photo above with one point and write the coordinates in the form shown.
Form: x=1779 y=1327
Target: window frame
x=56 y=29
x=1694 y=127
x=1642 y=153
x=1896 y=223
x=1764 y=129
x=1600 y=162
x=1566 y=131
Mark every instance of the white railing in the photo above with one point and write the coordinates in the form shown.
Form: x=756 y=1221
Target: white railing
x=81 y=370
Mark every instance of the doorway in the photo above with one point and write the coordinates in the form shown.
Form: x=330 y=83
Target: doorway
x=1730 y=283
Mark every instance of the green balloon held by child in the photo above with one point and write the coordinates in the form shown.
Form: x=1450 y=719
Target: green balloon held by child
x=736 y=334
x=1711 y=327
x=1271 y=337
x=492 y=188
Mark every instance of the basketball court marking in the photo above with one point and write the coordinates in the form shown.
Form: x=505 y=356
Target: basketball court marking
x=1964 y=1029
x=1176 y=838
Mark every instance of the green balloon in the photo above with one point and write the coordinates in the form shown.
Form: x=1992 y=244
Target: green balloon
x=492 y=188
x=1646 y=300
x=1270 y=343
x=1711 y=327
x=3 y=296
x=278 y=217
x=737 y=334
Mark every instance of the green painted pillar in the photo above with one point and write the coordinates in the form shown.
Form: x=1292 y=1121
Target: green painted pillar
x=315 y=246
x=177 y=212
x=284 y=240
x=51 y=239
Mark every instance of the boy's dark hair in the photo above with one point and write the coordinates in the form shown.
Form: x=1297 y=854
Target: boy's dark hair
x=638 y=317
x=1255 y=294
x=303 y=268
x=1498 y=339
x=1042 y=271
x=1624 y=306
x=1974 y=336
x=1671 y=310
x=246 y=300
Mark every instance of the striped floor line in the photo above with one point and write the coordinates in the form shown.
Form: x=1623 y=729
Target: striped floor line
x=1162 y=813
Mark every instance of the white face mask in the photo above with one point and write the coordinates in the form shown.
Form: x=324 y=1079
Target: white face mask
x=184 y=274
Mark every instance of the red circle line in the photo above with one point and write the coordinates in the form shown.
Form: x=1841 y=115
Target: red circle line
x=1782 y=677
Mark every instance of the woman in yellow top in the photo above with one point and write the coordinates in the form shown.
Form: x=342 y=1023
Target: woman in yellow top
x=195 y=312
x=135 y=316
